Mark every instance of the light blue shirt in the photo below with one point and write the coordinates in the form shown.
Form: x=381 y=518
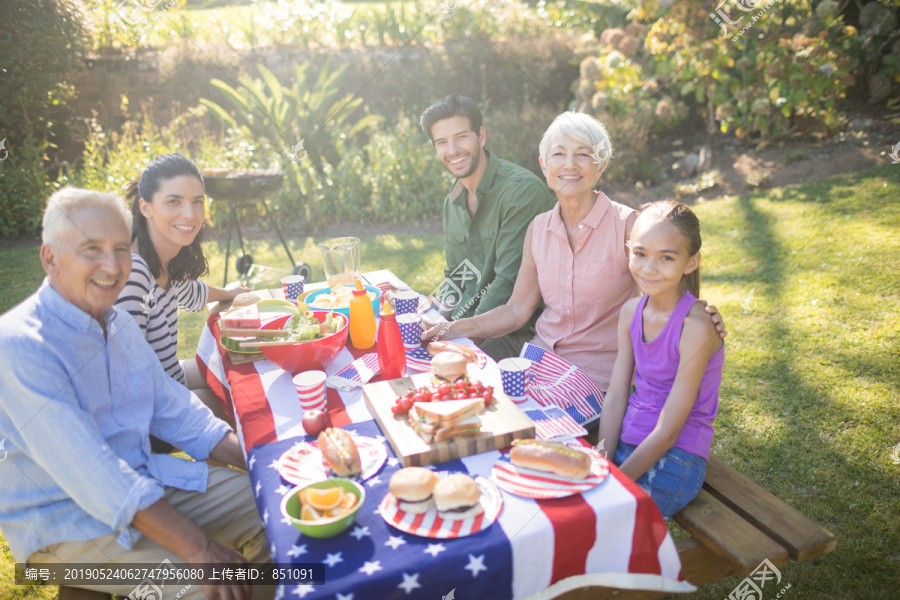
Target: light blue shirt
x=76 y=412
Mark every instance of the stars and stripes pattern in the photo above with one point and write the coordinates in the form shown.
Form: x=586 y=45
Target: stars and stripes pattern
x=356 y=374
x=557 y=382
x=611 y=534
x=551 y=424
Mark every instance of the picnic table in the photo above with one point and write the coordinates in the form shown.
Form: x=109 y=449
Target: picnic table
x=737 y=527
x=611 y=535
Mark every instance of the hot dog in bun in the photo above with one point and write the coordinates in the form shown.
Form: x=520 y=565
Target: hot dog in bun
x=435 y=348
x=550 y=457
x=340 y=452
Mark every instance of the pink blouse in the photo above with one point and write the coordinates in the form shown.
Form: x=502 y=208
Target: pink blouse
x=584 y=290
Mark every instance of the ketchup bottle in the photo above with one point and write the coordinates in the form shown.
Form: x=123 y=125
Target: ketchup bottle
x=391 y=352
x=362 y=319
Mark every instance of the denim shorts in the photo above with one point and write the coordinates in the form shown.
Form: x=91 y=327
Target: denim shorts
x=673 y=481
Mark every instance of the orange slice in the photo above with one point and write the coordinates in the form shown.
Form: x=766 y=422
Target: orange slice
x=324 y=499
x=348 y=501
x=308 y=513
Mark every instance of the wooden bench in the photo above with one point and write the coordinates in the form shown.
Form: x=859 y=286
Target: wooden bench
x=735 y=524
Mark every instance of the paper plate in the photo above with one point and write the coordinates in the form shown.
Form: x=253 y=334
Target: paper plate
x=541 y=485
x=430 y=525
x=303 y=463
x=425 y=303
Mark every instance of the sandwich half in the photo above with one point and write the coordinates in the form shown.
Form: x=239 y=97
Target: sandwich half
x=438 y=421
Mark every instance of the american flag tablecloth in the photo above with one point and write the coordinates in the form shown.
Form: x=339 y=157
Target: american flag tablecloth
x=612 y=535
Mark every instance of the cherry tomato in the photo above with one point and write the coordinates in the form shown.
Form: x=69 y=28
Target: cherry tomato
x=395 y=410
x=475 y=384
x=460 y=395
x=488 y=396
x=444 y=389
x=460 y=384
x=475 y=394
x=488 y=388
x=425 y=395
x=405 y=404
x=417 y=397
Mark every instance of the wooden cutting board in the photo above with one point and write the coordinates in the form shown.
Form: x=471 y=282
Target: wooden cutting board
x=501 y=422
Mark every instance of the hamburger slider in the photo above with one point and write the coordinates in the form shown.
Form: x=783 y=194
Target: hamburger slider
x=457 y=496
x=412 y=488
x=448 y=367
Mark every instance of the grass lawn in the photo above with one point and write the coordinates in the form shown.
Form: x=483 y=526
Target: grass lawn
x=809 y=398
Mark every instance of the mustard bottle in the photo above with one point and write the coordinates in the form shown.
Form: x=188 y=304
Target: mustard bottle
x=362 y=319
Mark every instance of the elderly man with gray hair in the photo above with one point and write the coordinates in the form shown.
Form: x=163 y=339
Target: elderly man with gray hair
x=80 y=393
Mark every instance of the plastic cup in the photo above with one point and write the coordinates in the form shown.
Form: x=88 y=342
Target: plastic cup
x=311 y=389
x=406 y=302
x=341 y=260
x=515 y=374
x=410 y=330
x=292 y=286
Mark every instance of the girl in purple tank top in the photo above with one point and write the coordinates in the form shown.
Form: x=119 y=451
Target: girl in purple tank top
x=660 y=436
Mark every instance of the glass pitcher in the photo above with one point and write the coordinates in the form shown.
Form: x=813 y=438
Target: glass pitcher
x=340 y=257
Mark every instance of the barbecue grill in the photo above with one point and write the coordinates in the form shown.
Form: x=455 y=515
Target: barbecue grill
x=238 y=189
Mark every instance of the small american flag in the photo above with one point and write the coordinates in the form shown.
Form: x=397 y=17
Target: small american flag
x=418 y=359
x=557 y=382
x=356 y=374
x=552 y=424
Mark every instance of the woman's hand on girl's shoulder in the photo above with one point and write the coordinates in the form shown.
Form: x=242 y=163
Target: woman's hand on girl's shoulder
x=716 y=318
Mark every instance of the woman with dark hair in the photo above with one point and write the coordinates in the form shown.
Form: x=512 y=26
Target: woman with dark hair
x=169 y=207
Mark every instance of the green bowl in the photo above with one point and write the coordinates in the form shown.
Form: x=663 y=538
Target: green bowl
x=323 y=528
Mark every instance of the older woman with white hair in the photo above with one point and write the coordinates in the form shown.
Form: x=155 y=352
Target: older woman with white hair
x=575 y=257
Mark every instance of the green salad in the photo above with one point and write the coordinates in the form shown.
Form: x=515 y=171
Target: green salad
x=305 y=327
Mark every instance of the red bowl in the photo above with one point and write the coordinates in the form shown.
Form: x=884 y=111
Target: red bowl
x=305 y=356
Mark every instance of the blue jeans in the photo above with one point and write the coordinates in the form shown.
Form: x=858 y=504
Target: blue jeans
x=673 y=481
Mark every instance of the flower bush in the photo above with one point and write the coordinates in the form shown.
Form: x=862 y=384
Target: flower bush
x=757 y=78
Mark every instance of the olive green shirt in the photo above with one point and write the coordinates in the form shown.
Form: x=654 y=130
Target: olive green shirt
x=483 y=253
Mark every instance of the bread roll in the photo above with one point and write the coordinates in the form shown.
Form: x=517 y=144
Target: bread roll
x=245 y=299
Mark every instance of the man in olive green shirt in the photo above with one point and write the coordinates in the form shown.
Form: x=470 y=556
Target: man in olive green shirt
x=485 y=217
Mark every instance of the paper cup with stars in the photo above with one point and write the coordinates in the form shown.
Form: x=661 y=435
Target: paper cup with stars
x=292 y=286
x=410 y=330
x=406 y=302
x=515 y=373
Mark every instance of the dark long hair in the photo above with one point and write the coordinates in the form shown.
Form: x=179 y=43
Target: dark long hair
x=684 y=219
x=189 y=263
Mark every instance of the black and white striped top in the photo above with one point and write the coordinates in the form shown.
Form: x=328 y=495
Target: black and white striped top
x=156 y=311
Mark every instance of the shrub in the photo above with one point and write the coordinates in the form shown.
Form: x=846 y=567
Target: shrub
x=757 y=84
x=41 y=47
x=306 y=129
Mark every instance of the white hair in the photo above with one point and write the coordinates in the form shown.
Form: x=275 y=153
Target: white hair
x=57 y=224
x=584 y=129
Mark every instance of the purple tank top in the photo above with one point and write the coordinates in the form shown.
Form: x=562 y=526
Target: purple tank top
x=656 y=364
